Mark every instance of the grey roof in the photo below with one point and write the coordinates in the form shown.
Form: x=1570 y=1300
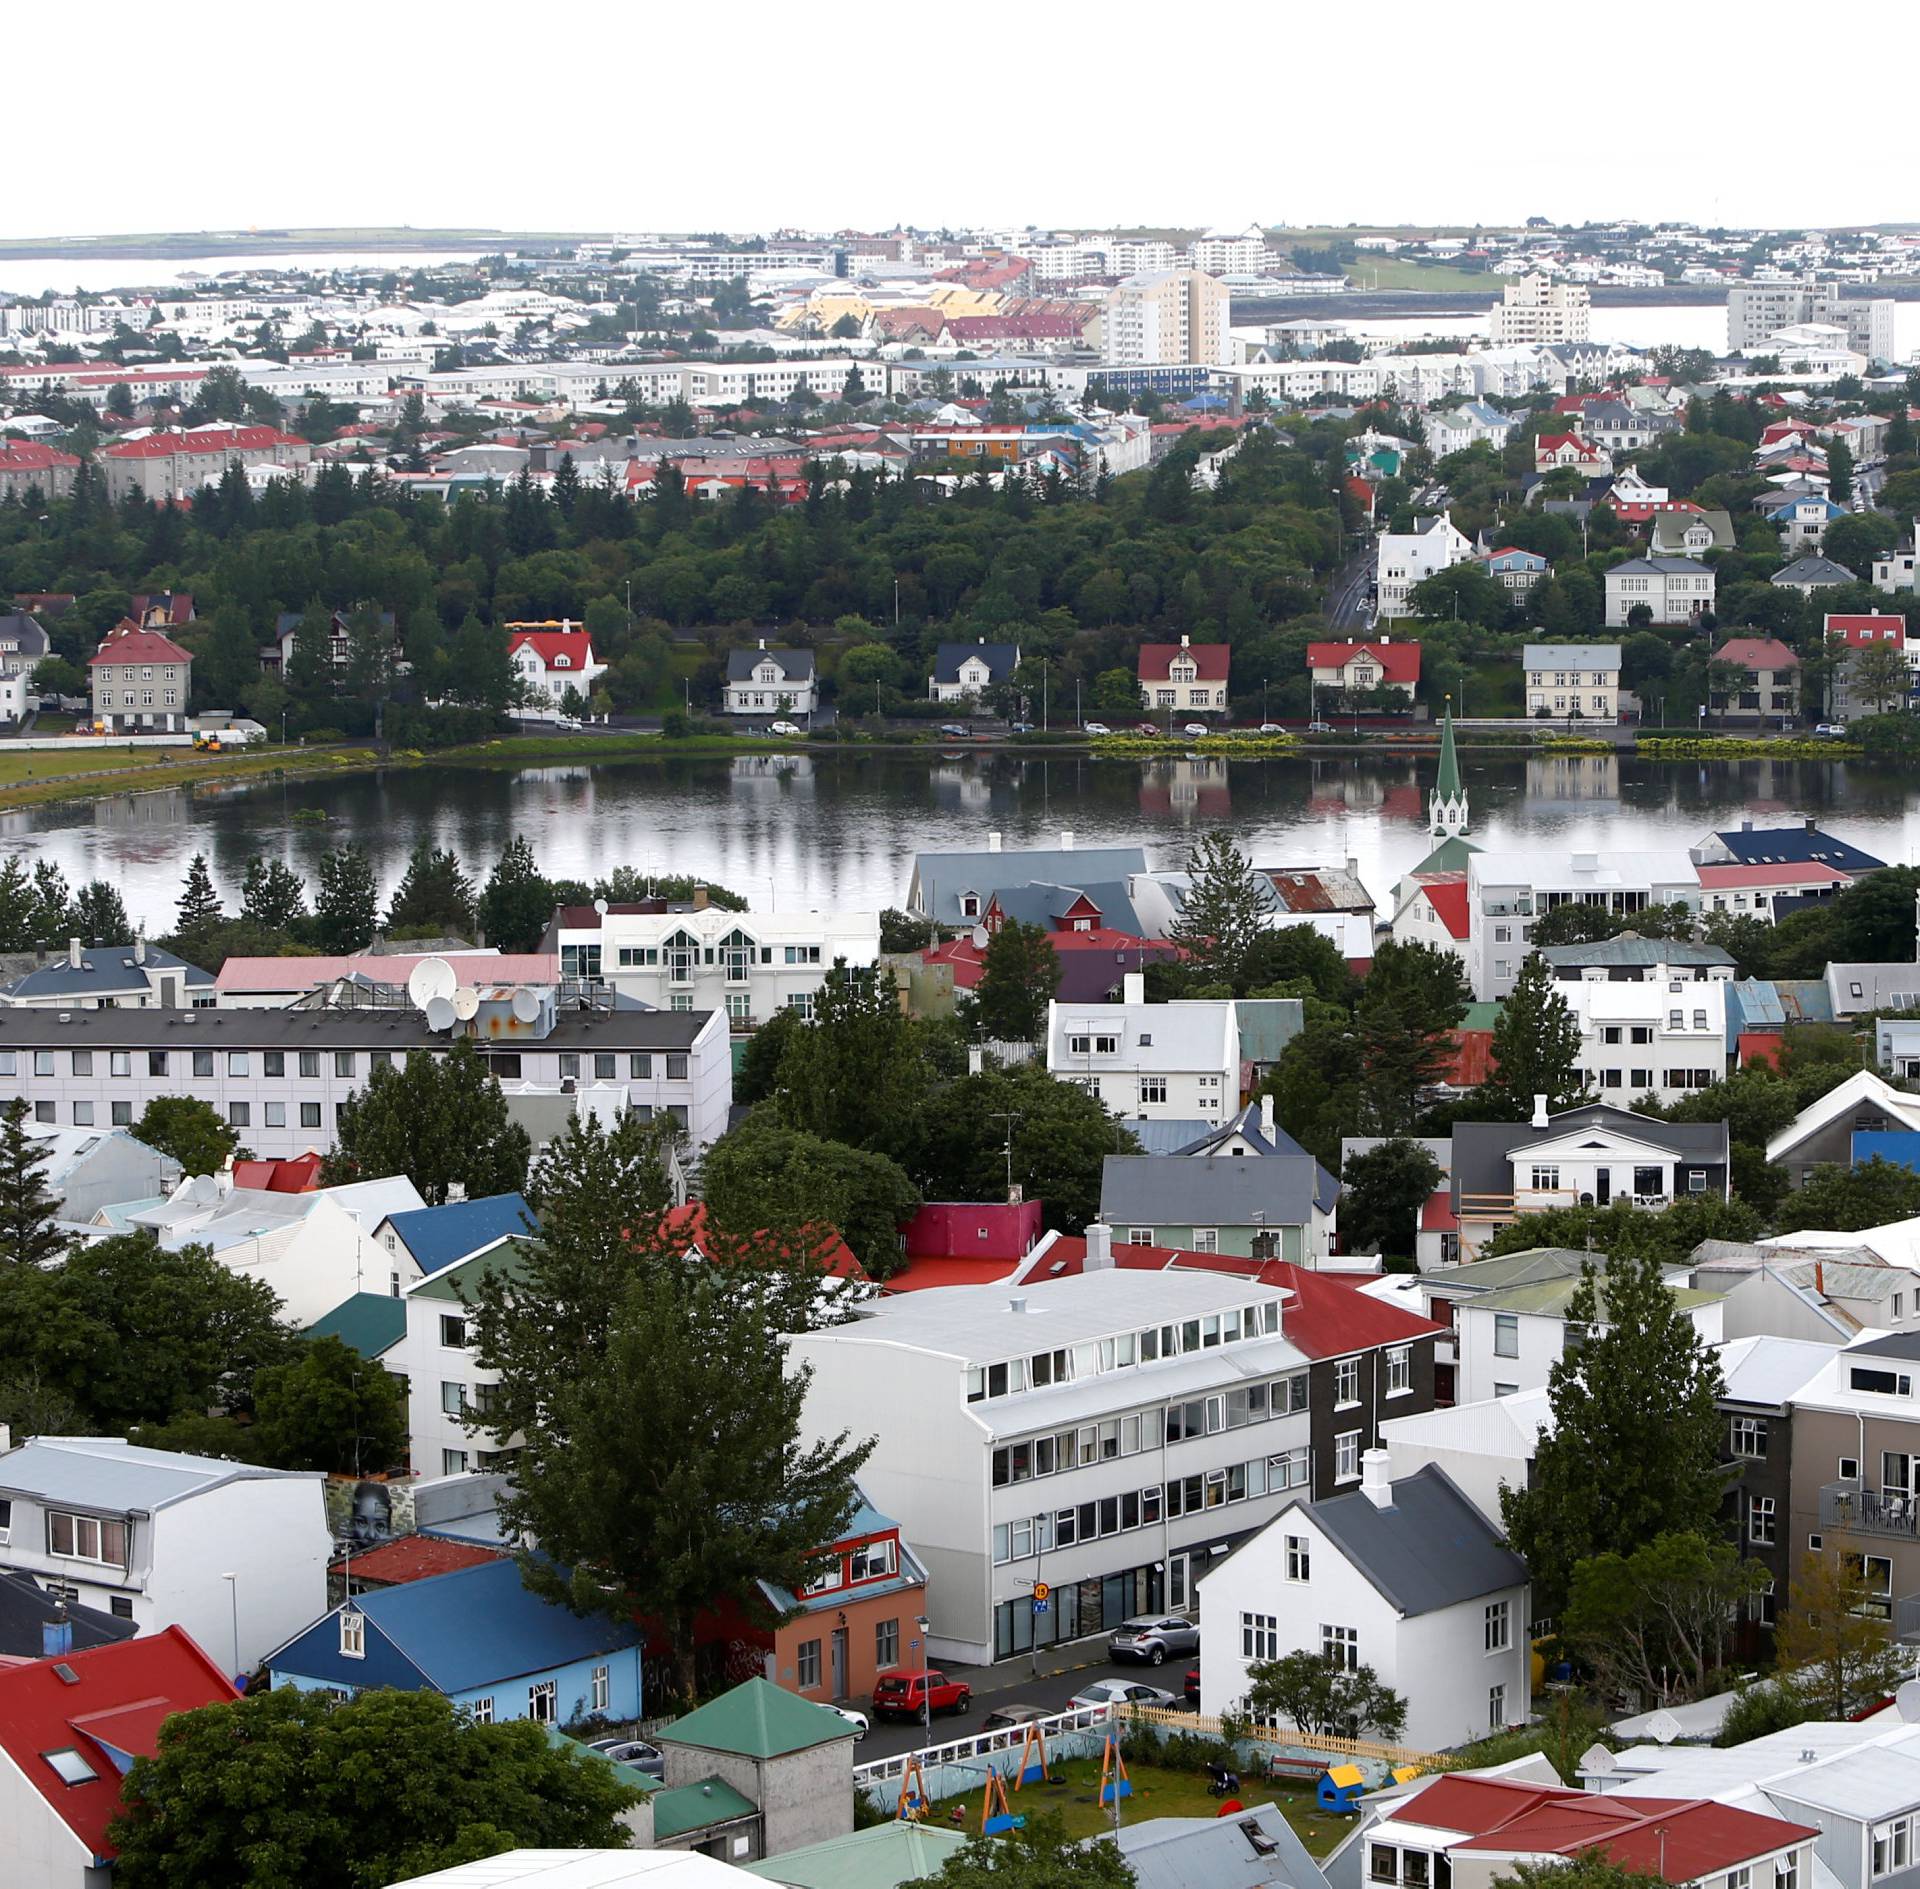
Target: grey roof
x=1859 y=1785
x=105 y=1473
x=1899 y=1344
x=1660 y=567
x=1208 y=1190
x=1631 y=949
x=21 y=632
x=795 y=664
x=103 y=971
x=1000 y=658
x=1039 y=903
x=940 y=878
x=1481 y=1150
x=1167 y=1136
x=1814 y=570
x=26 y=1609
x=1429 y=1548
x=1570 y=656
x=1254 y=1849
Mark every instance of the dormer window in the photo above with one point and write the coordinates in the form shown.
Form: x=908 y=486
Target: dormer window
x=1881 y=1383
x=353 y=1634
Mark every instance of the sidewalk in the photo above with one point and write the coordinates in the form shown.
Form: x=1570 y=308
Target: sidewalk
x=1009 y=1675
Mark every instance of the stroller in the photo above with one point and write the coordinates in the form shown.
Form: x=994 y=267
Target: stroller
x=1222 y=1782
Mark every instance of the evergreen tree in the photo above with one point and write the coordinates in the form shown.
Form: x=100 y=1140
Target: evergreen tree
x=434 y=896
x=229 y=660
x=199 y=906
x=19 y=906
x=1222 y=915
x=28 y=1236
x=1017 y=982
x=1536 y=1049
x=53 y=907
x=329 y=1409
x=187 y=1130
x=1634 y=1450
x=346 y=905
x=310 y=662
x=100 y=915
x=856 y=1073
x=1381 y=1197
x=272 y=894
x=480 y=674
x=518 y=900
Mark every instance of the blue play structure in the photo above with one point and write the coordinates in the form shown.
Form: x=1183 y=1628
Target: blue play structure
x=1340 y=1788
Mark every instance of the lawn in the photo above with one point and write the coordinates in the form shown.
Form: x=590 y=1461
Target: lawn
x=91 y=768
x=20 y=765
x=1072 y=1792
x=1369 y=271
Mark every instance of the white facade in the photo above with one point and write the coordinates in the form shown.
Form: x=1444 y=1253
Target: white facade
x=549 y=665
x=1174 y=1061
x=1407 y=558
x=1573 y=679
x=1166 y=316
x=1675 y=590
x=1535 y=309
x=434 y=1358
x=1662 y=1039
x=1460 y=427
x=768 y=687
x=1229 y=252
x=151 y=1535
x=1506 y=1350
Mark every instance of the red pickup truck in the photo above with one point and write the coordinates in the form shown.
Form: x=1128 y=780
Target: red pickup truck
x=919 y=1695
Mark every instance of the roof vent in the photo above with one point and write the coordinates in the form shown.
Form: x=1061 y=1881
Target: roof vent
x=1017 y=1306
x=66 y=1675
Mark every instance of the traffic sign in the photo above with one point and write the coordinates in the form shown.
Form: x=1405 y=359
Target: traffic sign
x=1039 y=1606
x=1041 y=1590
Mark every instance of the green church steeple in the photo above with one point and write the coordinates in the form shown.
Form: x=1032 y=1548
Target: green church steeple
x=1447 y=804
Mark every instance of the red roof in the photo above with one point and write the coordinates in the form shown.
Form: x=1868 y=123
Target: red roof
x=1552 y=442
x=415 y=1558
x=1785 y=872
x=129 y=645
x=835 y=1255
x=110 y=1712
x=976 y=1230
x=1757 y=652
x=1438 y=1216
x=1448 y=897
x=1210 y=660
x=220 y=439
x=22 y=456
x=1760 y=1046
x=1472 y=1060
x=923 y=1275
x=1399 y=662
x=571 y=650
x=299 y=1175
x=1878 y=627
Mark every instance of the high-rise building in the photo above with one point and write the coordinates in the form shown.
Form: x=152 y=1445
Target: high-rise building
x=1756 y=311
x=1230 y=252
x=1167 y=315
x=1537 y=310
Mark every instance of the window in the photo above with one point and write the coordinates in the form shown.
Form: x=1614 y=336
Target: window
x=309 y=1062
x=602 y=1689
x=1749 y=1436
x=353 y=1634
x=309 y=1114
x=239 y=1114
x=1506 y=1334
x=1786 y=1871
x=273 y=1062
x=453 y=1462
x=1760 y=1519
x=482 y=1710
x=156 y=1062
x=122 y=1114
x=453 y=1398
x=87 y=1538
x=203 y=1062
x=1152 y=1089
x=69 y=1766
x=236 y=1062
x=453 y=1331
x=1299 y=1555
x=1259 y=1636
x=1892 y=1845
x=276 y=1114
x=808 y=1665
x=1341 y=1646
x=1346 y=1457
x=83 y=1114
x=1546 y=1180
x=1399 y=1371
x=1346 y=1381
x=1499 y=1626
x=1496 y=1708
x=886 y=1644
x=542 y=1701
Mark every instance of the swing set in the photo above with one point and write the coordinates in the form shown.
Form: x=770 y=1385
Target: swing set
x=997 y=1815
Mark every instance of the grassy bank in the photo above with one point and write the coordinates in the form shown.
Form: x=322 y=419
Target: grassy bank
x=39 y=775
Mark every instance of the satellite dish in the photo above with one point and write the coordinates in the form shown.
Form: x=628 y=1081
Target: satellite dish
x=439 y=1014
x=600 y=906
x=526 y=1006
x=980 y=937
x=1663 y=1728
x=466 y=1003
x=1597 y=1759
x=430 y=978
x=1907 y=1701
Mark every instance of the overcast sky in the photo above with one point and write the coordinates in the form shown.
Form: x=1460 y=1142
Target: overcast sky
x=746 y=115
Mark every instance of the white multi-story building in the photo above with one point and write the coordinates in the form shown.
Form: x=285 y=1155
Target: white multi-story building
x=1107 y=1432
x=445 y=1382
x=1580 y=679
x=1166 y=316
x=1756 y=311
x=1663 y=1038
x=1507 y=891
x=747 y=966
x=1230 y=252
x=1674 y=590
x=1537 y=310
x=1407 y=558
x=1474 y=424
x=1174 y=1061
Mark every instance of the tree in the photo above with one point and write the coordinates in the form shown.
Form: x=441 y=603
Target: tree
x=1116 y=692
x=901 y=932
x=1319 y=1088
x=346 y=906
x=1589 y=1869
x=1772 y=1705
x=762 y=1175
x=310 y=659
x=1878 y=673
x=1666 y=1235
x=1411 y=1001
x=1839 y=471
x=100 y=915
x=28 y=1235
x=1037 y=1855
x=1020 y=975
x=855 y=1074
x=1535 y=1049
x=455 y=1789
x=434 y=897
x=329 y=1409
x=229 y=659
x=1385 y=1188
x=518 y=900
x=438 y=1120
x=1223 y=911
x=1842 y=1200
x=1635 y=1445
x=1318 y=1693
x=199 y=905
x=1659 y=1621
x=187 y=1130
x=1837 y=1650
x=272 y=894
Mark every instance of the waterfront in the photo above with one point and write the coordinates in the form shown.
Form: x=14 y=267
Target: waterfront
x=841 y=830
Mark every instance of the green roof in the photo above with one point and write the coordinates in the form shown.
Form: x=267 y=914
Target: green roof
x=505 y=1256
x=1268 y=1025
x=1481 y=1016
x=369 y=1322
x=695 y=1806
x=1448 y=785
x=1451 y=855
x=882 y=1857
x=1549 y=1298
x=757 y=1720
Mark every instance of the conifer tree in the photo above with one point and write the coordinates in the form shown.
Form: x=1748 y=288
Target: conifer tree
x=1536 y=1048
x=28 y=1236
x=199 y=904
x=272 y=894
x=346 y=904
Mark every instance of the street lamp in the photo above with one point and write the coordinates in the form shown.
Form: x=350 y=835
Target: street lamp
x=926 y=1675
x=233 y=1598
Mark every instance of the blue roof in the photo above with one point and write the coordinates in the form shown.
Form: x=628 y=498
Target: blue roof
x=437 y=1236
x=452 y=1633
x=1754 y=1005
x=1900 y=1146
x=1794 y=846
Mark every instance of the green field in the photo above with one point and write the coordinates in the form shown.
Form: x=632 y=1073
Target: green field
x=94 y=767
x=1398 y=272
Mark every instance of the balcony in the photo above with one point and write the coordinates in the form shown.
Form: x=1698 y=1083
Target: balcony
x=1851 y=1509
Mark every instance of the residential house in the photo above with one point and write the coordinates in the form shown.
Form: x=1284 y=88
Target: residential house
x=1655 y=1040
x=1454 y=429
x=1405 y=1577
x=1573 y=679
x=479 y=1636
x=41 y=1623
x=276 y=657
x=434 y=1358
x=1895 y=570
x=1769 y=688
x=1557 y=452
x=1802 y=522
x=1405 y=559
x=371 y=1323
x=1352 y=668
x=1808 y=574
x=1849 y=634
x=101 y=977
x=1253 y=1848
x=1822 y=1133
x=429 y=1239
x=777 y=682
x=234 y=1554
x=1806 y=844
x=279 y=983
x=27 y=466
x=1630 y=959
x=1516 y=571
x=1483 y=1447
x=1278 y=1206
x=970 y=672
x=552 y=661
x=141 y=682
x=88 y=1169
x=1672 y=590
x=1185 y=677
x=1897 y=1047
x=70 y=1729
x=1616 y=426
x=1768 y=891
x=1178 y=1060
x=1690 y=533
x=164 y=467
x=405 y=1559
x=1854 y=989
x=953 y=889
x=23 y=643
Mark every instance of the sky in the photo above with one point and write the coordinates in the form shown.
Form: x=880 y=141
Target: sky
x=747 y=115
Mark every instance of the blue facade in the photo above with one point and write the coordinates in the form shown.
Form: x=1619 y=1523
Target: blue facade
x=576 y=1686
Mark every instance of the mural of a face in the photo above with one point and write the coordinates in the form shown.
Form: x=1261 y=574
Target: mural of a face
x=372 y=1518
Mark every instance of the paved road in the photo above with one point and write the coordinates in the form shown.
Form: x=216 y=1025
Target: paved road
x=1347 y=593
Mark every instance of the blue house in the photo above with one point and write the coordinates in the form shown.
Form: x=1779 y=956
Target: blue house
x=1515 y=570
x=434 y=1237
x=479 y=1637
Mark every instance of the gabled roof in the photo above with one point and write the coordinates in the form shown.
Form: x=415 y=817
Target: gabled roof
x=142 y=646
x=1210 y=1190
x=1448 y=897
x=1875 y=627
x=208 y=439
x=696 y=1806
x=1000 y=658
x=1629 y=948
x=104 y=970
x=371 y=1323
x=1399 y=662
x=1210 y=660
x=437 y=1236
x=796 y=665
x=27 y=1609
x=566 y=649
x=1814 y=570
x=1570 y=656
x=415 y=1558
x=1757 y=652
x=881 y=1857
x=106 y=1704
x=1863 y=1087
x=105 y=1473
x=757 y=1719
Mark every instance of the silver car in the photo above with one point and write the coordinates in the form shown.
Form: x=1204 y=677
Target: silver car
x=1154 y=1638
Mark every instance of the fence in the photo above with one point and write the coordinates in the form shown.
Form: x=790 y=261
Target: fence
x=1318 y=1744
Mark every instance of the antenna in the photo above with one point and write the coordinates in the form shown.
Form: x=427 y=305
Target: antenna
x=430 y=978
x=600 y=906
x=466 y=1003
x=439 y=1013
x=526 y=1006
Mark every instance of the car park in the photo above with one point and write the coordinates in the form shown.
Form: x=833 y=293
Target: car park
x=1153 y=1638
x=1122 y=1692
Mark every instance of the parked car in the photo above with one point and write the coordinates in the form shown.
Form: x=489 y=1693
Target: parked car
x=1151 y=1637
x=1319 y=727
x=1095 y=728
x=916 y=1695
x=1020 y=727
x=1271 y=728
x=1145 y=728
x=955 y=728
x=1831 y=730
x=783 y=728
x=1122 y=1692
x=1193 y=1687
x=1013 y=1718
x=858 y=1720
x=635 y=1753
x=1197 y=728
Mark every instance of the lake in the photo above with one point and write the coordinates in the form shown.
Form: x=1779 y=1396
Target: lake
x=832 y=830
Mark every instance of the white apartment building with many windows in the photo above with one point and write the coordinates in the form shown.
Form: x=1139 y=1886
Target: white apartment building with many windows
x=1535 y=309
x=1166 y=316
x=1673 y=590
x=1109 y=1433
x=1174 y=1061
x=1661 y=1040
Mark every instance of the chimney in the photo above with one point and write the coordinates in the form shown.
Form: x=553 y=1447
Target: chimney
x=73 y=953
x=1266 y=1116
x=1374 y=1482
x=699 y=898
x=993 y=842
x=1353 y=866
x=1746 y=826
x=1017 y=1307
x=1820 y=1277
x=56 y=1635
x=139 y=951
x=1813 y=825
x=1066 y=839
x=1133 y=987
x=763 y=642
x=1186 y=642
x=1099 y=1247
x=1539 y=1111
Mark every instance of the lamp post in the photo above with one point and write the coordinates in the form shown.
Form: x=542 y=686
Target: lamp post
x=926 y=1676
x=233 y=1598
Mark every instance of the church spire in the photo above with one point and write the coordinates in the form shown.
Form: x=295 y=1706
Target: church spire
x=1447 y=804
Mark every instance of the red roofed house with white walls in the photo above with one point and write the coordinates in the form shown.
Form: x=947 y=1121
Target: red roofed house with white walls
x=551 y=658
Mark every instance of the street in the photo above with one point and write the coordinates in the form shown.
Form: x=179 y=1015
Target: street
x=1347 y=594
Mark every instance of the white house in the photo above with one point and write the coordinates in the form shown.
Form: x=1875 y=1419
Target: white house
x=763 y=681
x=1573 y=679
x=434 y=1360
x=1484 y=1447
x=1660 y=1039
x=1407 y=1577
x=88 y=1169
x=549 y=659
x=967 y=671
x=1674 y=590
x=1407 y=558
x=1474 y=424
x=235 y=1554
x=1173 y=1061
